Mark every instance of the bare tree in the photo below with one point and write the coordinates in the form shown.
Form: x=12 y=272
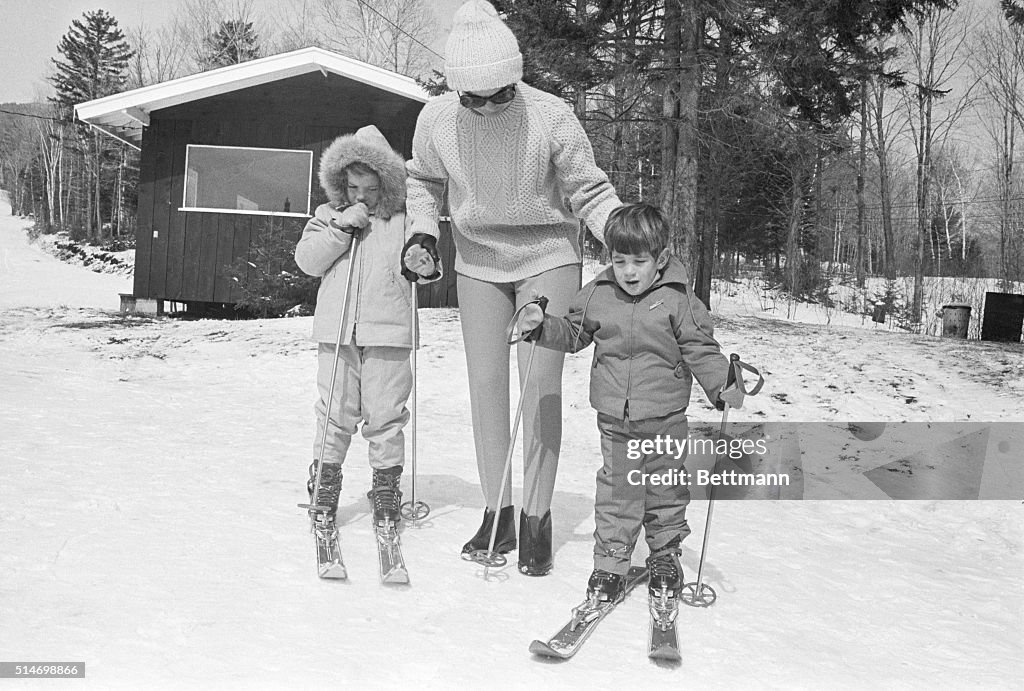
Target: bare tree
x=50 y=136
x=296 y=27
x=936 y=47
x=999 y=65
x=393 y=34
x=952 y=178
x=160 y=55
x=886 y=123
x=17 y=150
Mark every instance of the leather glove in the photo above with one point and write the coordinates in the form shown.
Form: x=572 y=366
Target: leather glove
x=419 y=258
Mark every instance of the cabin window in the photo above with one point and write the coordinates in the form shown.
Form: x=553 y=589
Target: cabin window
x=246 y=180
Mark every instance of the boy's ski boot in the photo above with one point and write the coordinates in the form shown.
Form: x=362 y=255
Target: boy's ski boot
x=385 y=496
x=330 y=490
x=663 y=587
x=605 y=586
x=604 y=591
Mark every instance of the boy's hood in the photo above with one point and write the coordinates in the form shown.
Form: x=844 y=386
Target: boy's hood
x=367 y=146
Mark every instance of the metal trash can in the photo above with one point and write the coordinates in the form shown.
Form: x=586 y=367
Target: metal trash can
x=955 y=320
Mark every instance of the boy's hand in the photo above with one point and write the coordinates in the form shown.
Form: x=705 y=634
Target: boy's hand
x=735 y=389
x=419 y=258
x=528 y=320
x=732 y=395
x=351 y=219
x=525 y=328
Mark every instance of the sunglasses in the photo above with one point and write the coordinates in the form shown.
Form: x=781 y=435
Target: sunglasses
x=503 y=95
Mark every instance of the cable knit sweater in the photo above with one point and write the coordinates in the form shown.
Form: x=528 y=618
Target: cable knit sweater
x=517 y=183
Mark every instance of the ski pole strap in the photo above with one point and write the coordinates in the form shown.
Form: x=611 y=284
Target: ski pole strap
x=510 y=331
x=736 y=368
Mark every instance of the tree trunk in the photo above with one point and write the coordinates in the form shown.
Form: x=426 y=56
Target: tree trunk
x=1006 y=194
x=885 y=194
x=862 y=164
x=685 y=211
x=670 y=107
x=678 y=194
x=117 y=215
x=97 y=182
x=713 y=206
x=793 y=236
x=923 y=180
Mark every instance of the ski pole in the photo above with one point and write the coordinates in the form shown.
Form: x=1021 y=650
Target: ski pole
x=699 y=594
x=414 y=510
x=489 y=557
x=353 y=248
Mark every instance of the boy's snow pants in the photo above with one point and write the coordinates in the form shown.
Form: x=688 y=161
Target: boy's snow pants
x=624 y=502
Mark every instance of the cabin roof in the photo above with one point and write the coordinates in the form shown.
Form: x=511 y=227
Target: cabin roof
x=124 y=115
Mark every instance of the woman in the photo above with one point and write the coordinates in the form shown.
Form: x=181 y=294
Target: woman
x=519 y=172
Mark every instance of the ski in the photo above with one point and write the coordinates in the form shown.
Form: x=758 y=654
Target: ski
x=662 y=643
x=328 y=553
x=585 y=618
x=389 y=554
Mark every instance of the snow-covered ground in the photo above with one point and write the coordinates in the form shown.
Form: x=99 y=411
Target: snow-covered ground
x=151 y=468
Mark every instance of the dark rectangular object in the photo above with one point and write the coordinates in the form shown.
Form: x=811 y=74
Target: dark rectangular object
x=1003 y=318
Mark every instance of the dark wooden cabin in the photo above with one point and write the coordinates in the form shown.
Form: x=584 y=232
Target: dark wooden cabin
x=225 y=152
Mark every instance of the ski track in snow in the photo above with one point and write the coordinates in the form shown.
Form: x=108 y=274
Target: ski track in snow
x=148 y=522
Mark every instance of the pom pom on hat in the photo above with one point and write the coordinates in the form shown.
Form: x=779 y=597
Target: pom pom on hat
x=481 y=53
x=372 y=136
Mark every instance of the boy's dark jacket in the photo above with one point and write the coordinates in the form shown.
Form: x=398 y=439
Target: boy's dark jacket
x=647 y=348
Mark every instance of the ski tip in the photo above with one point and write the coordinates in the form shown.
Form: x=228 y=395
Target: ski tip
x=544 y=650
x=395 y=577
x=334 y=573
x=665 y=655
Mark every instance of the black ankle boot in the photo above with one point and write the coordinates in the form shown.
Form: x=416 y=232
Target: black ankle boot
x=535 y=544
x=504 y=541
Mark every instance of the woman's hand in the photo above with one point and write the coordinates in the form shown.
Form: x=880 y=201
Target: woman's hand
x=419 y=258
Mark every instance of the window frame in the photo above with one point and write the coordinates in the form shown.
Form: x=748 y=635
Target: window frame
x=247 y=212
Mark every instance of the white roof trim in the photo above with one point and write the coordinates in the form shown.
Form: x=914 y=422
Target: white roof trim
x=124 y=115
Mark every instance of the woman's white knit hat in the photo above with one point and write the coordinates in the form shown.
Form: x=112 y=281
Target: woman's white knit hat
x=481 y=53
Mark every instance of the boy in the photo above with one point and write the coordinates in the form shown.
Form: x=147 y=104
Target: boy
x=651 y=337
x=364 y=178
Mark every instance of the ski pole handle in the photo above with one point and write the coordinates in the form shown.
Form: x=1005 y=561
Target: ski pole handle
x=511 y=336
x=736 y=368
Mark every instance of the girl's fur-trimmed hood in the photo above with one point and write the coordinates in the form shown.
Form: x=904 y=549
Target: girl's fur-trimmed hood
x=367 y=146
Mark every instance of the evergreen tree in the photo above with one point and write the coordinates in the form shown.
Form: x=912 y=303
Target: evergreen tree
x=1013 y=10
x=95 y=59
x=268 y=281
x=232 y=43
x=94 y=64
